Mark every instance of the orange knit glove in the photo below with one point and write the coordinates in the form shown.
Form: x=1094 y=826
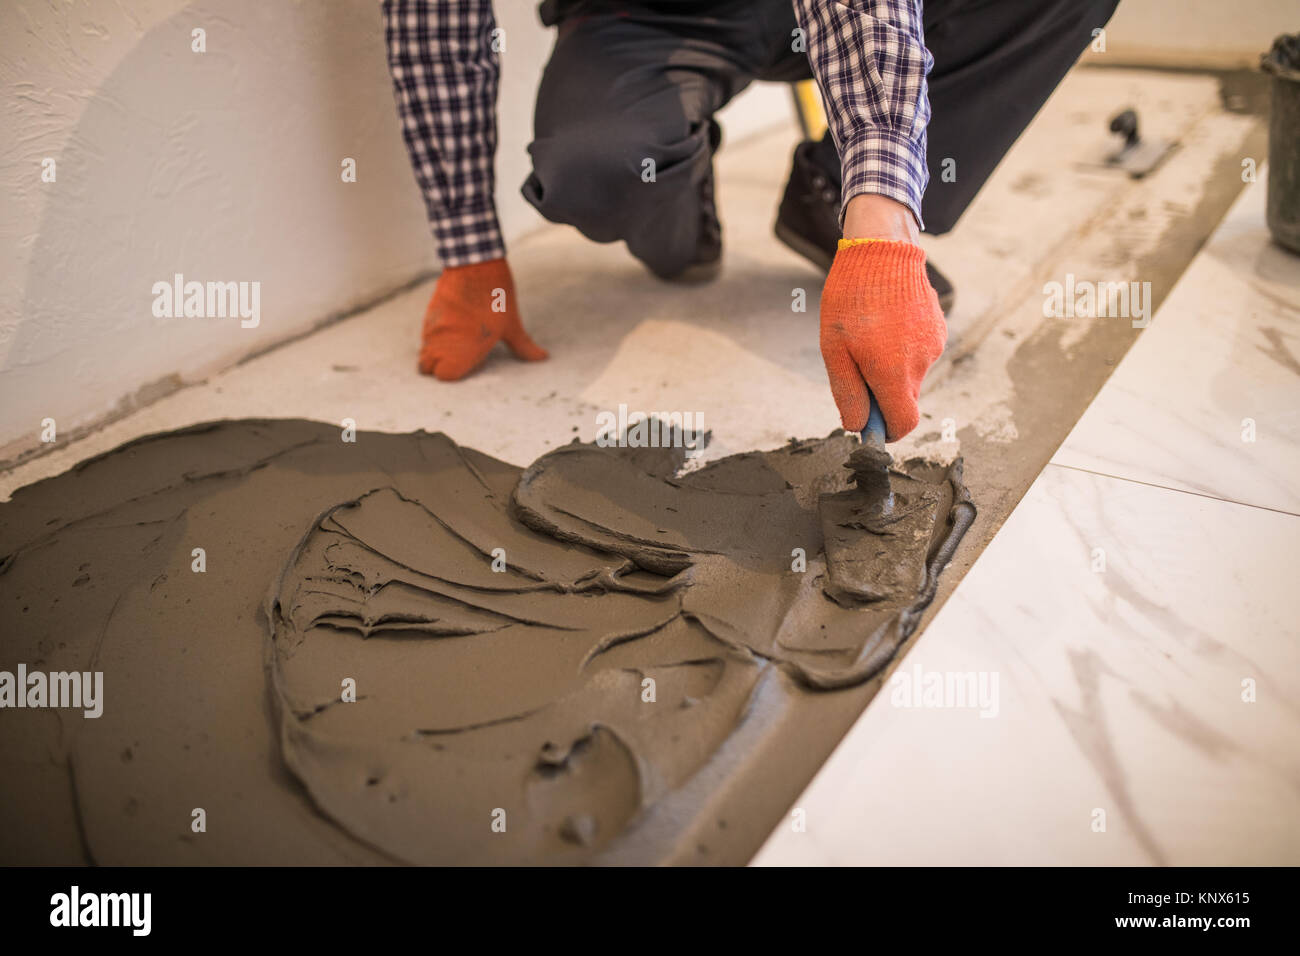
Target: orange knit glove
x=473 y=307
x=881 y=325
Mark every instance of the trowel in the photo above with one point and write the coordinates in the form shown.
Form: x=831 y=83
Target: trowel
x=870 y=463
x=863 y=567
x=1134 y=155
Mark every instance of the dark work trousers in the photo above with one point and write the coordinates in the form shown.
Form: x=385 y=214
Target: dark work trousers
x=634 y=81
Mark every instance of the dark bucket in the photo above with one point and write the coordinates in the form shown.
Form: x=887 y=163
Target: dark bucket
x=1283 y=62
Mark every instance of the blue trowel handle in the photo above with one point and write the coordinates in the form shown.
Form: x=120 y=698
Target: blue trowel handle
x=874 y=432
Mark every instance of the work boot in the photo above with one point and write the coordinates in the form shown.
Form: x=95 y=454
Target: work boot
x=808 y=220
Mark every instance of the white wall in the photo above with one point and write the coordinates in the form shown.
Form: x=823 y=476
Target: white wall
x=1205 y=33
x=223 y=165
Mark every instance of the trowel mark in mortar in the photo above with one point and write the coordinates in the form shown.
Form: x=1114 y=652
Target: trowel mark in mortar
x=612 y=580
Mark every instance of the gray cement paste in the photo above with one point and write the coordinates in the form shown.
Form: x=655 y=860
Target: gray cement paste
x=643 y=632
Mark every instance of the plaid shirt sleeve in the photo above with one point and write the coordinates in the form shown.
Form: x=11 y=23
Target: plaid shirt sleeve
x=445 y=74
x=870 y=60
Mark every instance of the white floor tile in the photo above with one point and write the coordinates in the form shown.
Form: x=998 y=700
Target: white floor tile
x=1121 y=621
x=1208 y=399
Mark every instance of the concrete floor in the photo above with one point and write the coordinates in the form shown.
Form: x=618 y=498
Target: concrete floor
x=1004 y=396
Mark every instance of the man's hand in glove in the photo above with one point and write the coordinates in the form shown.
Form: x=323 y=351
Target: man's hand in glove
x=881 y=325
x=472 y=309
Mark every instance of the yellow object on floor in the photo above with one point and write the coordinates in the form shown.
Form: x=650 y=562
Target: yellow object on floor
x=808 y=107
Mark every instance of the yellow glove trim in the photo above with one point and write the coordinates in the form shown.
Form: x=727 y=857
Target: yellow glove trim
x=845 y=243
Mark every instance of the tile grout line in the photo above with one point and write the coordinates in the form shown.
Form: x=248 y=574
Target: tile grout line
x=1182 y=491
